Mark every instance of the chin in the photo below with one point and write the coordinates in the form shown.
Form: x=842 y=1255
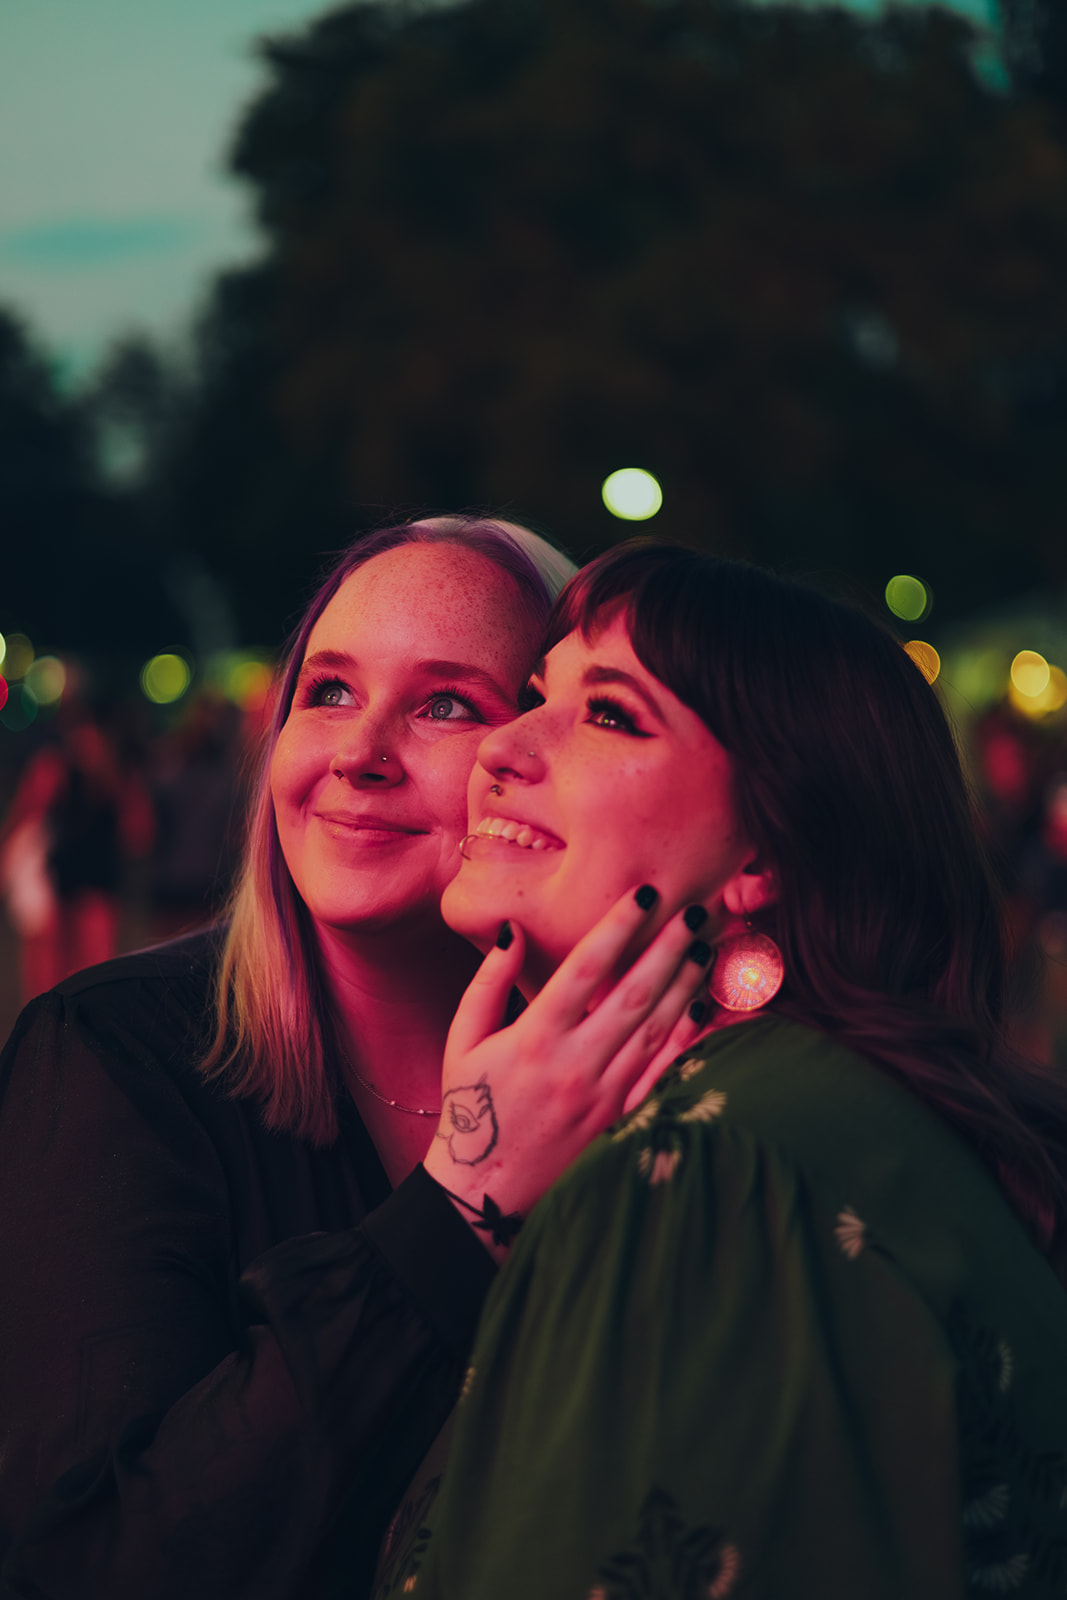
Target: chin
x=466 y=916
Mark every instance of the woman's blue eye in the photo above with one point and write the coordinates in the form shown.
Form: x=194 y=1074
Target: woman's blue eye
x=450 y=708
x=328 y=692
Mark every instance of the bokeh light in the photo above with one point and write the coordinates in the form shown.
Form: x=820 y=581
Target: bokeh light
x=3 y=649
x=4 y=692
x=1030 y=674
x=165 y=678
x=632 y=494
x=978 y=676
x=907 y=598
x=1048 y=700
x=18 y=657
x=925 y=658
x=47 y=678
x=242 y=676
x=21 y=708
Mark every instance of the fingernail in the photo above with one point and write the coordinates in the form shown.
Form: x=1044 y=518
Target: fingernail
x=695 y=917
x=697 y=1010
x=699 y=952
x=646 y=896
x=505 y=936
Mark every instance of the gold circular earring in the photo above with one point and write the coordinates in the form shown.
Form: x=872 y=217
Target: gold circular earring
x=747 y=973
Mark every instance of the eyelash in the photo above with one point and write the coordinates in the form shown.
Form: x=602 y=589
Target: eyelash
x=603 y=705
x=314 y=693
x=314 y=690
x=529 y=698
x=450 y=693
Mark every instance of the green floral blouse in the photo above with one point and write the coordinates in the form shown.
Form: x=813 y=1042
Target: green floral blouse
x=778 y=1336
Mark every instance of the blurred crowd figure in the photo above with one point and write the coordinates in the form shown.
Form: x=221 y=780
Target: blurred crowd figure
x=194 y=780
x=99 y=823
x=1021 y=769
x=77 y=815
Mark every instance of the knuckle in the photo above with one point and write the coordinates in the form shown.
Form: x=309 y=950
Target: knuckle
x=636 y=996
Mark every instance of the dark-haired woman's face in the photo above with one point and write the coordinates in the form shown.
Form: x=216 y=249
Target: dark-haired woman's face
x=609 y=783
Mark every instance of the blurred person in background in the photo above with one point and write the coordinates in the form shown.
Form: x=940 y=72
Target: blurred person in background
x=198 y=801
x=196 y=1397
x=77 y=816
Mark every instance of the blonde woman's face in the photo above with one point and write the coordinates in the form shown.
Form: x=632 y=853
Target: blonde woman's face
x=421 y=651
x=609 y=783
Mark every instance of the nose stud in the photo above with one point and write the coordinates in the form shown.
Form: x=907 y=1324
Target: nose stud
x=494 y=788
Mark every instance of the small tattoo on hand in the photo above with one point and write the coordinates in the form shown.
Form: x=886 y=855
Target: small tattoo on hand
x=468 y=1123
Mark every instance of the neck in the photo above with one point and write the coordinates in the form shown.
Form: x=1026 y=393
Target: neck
x=394 y=993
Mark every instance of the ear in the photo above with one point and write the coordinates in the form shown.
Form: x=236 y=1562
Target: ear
x=752 y=888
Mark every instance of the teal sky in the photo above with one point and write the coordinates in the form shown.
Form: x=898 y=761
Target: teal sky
x=115 y=121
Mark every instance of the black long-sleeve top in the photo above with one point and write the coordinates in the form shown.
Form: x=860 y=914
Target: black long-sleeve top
x=196 y=1398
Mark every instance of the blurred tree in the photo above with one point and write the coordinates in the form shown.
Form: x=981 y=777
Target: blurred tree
x=1035 y=45
x=806 y=268
x=77 y=573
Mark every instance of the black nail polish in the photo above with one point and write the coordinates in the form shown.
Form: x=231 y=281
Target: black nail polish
x=697 y=1011
x=695 y=917
x=699 y=952
x=505 y=936
x=646 y=896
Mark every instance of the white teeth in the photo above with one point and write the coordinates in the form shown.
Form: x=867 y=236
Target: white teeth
x=520 y=833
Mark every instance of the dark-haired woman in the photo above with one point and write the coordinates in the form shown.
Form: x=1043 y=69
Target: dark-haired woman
x=793 y=1327
x=196 y=1399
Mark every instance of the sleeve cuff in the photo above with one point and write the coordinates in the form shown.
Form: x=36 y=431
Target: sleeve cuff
x=435 y=1255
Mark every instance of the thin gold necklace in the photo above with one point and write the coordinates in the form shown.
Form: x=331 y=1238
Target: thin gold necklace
x=412 y=1111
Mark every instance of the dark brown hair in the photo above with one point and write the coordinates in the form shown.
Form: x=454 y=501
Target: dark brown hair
x=849 y=785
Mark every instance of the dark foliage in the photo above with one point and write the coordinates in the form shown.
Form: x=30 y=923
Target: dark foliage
x=805 y=267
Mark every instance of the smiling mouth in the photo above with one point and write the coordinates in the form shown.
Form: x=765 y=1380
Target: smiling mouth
x=508 y=831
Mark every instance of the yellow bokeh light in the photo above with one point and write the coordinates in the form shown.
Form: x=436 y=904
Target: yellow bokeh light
x=907 y=598
x=47 y=677
x=632 y=494
x=1049 y=700
x=165 y=678
x=3 y=649
x=18 y=657
x=1030 y=673
x=925 y=658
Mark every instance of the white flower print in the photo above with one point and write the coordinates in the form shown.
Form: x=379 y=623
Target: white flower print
x=986 y=1510
x=706 y=1109
x=729 y=1571
x=658 y=1166
x=638 y=1120
x=1001 y=1577
x=850 y=1233
x=1007 y=1366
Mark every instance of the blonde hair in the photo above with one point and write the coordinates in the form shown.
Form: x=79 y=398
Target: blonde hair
x=274 y=1032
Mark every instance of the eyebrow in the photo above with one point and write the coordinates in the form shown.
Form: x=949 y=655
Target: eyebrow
x=339 y=661
x=593 y=675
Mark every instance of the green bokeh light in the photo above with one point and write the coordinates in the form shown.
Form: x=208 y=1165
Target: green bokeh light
x=165 y=678
x=632 y=494
x=907 y=598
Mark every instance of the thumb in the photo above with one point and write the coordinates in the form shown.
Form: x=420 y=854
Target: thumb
x=481 y=1010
